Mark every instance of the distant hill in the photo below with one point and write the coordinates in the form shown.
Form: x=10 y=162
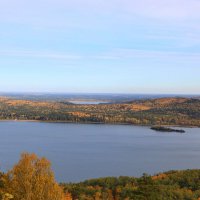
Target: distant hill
x=177 y=111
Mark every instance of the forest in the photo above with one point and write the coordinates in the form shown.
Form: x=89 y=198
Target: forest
x=180 y=185
x=33 y=179
x=160 y=111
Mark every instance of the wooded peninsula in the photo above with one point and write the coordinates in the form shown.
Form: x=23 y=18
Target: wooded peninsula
x=159 y=111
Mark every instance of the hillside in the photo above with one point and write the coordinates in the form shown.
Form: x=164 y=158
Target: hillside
x=173 y=185
x=160 y=111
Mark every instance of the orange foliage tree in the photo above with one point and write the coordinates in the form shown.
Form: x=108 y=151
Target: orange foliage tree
x=32 y=179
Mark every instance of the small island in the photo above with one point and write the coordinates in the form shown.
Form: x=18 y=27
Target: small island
x=166 y=129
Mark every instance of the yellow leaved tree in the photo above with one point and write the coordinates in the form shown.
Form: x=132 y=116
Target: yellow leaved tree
x=32 y=179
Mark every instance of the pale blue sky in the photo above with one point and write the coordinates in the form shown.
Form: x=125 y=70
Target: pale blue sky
x=114 y=46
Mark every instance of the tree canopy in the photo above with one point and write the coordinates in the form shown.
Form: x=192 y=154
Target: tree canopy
x=32 y=179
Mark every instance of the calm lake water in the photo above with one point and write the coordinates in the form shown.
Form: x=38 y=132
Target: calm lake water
x=88 y=102
x=83 y=151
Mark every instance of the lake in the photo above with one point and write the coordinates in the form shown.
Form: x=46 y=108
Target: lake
x=85 y=102
x=84 y=151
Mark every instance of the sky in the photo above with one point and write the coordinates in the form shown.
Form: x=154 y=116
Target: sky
x=101 y=46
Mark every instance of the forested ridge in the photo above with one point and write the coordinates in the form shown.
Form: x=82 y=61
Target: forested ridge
x=172 y=185
x=161 y=111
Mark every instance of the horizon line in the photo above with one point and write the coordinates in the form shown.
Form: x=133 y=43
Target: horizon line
x=97 y=93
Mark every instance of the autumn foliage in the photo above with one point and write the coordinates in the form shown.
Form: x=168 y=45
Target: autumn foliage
x=160 y=111
x=32 y=179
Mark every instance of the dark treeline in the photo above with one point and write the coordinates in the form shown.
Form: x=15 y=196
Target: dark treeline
x=164 y=111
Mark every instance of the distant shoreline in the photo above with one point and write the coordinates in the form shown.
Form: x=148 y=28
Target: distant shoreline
x=71 y=122
x=171 y=112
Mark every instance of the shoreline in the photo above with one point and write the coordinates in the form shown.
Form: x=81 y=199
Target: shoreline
x=71 y=122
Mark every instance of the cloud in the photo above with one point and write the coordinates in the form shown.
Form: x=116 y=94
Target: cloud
x=169 y=56
x=109 y=24
x=39 y=54
x=62 y=11
x=165 y=9
x=113 y=54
